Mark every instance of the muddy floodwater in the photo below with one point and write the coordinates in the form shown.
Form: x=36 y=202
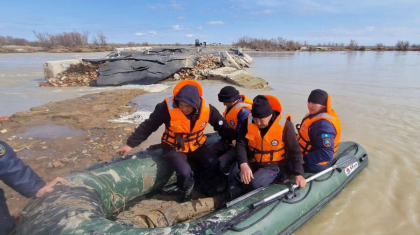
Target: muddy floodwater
x=376 y=95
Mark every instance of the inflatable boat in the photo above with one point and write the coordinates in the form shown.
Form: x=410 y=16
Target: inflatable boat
x=87 y=203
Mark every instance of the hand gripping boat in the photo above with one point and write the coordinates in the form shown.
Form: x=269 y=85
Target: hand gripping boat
x=86 y=202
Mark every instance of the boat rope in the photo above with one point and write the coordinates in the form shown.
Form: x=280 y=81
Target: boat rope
x=320 y=180
x=164 y=216
x=149 y=219
x=232 y=226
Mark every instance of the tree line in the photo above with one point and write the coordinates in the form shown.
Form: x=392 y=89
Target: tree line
x=69 y=40
x=282 y=44
x=99 y=41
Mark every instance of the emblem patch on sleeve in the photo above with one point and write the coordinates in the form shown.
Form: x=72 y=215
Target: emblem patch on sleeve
x=327 y=142
x=2 y=150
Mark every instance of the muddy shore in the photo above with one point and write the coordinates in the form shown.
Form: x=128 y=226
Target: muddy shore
x=56 y=139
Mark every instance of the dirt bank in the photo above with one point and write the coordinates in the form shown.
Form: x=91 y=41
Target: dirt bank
x=58 y=138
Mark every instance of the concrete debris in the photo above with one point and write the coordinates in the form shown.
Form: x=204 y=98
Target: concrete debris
x=78 y=74
x=238 y=77
x=144 y=66
x=200 y=71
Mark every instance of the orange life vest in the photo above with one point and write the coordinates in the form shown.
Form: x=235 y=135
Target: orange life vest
x=232 y=116
x=303 y=132
x=271 y=147
x=180 y=124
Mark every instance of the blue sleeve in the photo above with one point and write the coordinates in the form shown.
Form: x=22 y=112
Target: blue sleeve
x=321 y=135
x=242 y=115
x=16 y=174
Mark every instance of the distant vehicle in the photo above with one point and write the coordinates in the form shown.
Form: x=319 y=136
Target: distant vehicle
x=197 y=43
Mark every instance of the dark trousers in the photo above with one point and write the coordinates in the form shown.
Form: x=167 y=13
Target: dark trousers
x=180 y=162
x=263 y=176
x=7 y=223
x=226 y=155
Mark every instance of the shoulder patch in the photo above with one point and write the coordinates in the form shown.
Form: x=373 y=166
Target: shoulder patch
x=326 y=136
x=2 y=150
x=326 y=142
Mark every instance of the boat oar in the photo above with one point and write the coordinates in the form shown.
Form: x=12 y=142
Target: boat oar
x=342 y=162
x=245 y=196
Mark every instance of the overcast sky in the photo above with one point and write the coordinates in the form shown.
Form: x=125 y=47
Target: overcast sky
x=315 y=21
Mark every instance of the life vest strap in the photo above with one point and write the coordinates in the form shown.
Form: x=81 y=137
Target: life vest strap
x=256 y=151
x=305 y=149
x=197 y=136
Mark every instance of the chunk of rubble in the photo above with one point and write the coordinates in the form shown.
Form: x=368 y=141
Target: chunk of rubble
x=238 y=77
x=146 y=65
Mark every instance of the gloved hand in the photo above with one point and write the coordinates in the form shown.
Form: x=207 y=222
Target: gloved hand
x=179 y=141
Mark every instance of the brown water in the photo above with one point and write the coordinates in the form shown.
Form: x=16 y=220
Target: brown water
x=376 y=95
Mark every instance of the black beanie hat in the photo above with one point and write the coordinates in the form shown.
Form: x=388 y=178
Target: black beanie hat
x=261 y=108
x=318 y=96
x=228 y=94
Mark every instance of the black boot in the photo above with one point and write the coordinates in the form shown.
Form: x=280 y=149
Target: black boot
x=187 y=194
x=234 y=192
x=221 y=183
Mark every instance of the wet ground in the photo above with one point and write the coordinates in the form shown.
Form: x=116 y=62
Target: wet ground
x=58 y=138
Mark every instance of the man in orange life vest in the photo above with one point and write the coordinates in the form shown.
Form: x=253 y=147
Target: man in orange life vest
x=319 y=133
x=238 y=108
x=185 y=115
x=268 y=139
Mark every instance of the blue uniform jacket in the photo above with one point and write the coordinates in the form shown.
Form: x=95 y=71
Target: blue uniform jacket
x=321 y=135
x=16 y=174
